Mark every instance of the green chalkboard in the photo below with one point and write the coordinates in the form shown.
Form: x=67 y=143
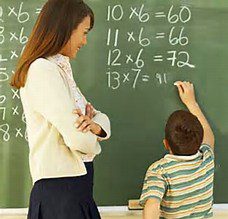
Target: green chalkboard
x=135 y=52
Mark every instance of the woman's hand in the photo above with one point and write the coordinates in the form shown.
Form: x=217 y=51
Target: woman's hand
x=85 y=123
x=90 y=110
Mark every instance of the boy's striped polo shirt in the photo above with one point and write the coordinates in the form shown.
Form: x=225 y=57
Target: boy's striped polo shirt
x=183 y=184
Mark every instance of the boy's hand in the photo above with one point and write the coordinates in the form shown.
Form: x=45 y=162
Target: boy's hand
x=186 y=92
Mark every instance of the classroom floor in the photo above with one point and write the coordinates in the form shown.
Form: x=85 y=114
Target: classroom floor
x=135 y=215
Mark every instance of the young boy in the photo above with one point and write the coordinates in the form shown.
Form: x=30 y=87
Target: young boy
x=180 y=185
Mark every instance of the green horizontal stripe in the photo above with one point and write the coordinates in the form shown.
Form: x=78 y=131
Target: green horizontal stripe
x=206 y=148
x=188 y=206
x=154 y=178
x=203 y=214
x=165 y=165
x=171 y=164
x=191 y=171
x=191 y=194
x=153 y=188
x=142 y=201
x=192 y=182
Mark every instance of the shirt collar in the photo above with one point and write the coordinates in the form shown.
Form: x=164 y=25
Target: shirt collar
x=183 y=158
x=61 y=60
x=64 y=63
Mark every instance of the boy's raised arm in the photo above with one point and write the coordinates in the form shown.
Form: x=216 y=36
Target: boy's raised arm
x=187 y=95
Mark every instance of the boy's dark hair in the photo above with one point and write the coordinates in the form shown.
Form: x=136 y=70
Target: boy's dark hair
x=184 y=133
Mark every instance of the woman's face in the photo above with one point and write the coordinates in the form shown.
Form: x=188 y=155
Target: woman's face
x=77 y=40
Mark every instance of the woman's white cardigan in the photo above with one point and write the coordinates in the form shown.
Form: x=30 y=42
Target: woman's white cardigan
x=56 y=146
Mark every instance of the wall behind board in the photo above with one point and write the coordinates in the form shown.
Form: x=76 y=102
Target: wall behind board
x=135 y=52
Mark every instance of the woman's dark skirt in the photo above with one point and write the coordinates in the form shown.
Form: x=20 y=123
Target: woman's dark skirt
x=64 y=198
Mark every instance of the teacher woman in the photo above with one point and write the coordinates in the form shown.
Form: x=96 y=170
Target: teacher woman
x=63 y=129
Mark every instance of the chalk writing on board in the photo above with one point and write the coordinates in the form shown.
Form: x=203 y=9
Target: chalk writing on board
x=4 y=130
x=22 y=16
x=139 y=36
x=20 y=37
x=14 y=39
x=139 y=13
x=125 y=68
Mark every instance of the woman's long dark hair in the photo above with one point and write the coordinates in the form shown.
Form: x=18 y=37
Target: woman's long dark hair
x=51 y=33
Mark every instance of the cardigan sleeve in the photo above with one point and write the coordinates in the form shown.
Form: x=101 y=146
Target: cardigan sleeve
x=102 y=120
x=49 y=96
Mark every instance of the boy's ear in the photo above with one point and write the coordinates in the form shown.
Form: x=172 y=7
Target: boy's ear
x=166 y=144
